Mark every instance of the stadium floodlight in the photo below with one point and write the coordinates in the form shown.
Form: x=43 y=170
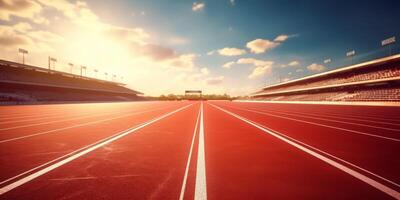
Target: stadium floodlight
x=389 y=42
x=72 y=66
x=350 y=55
x=83 y=68
x=52 y=60
x=23 y=52
x=326 y=61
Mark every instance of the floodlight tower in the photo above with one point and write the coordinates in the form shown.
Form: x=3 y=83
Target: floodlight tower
x=52 y=60
x=71 y=67
x=83 y=68
x=350 y=55
x=389 y=42
x=23 y=52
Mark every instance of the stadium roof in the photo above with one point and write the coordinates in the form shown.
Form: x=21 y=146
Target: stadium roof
x=25 y=66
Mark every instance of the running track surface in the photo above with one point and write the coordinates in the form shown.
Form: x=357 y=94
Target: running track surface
x=199 y=150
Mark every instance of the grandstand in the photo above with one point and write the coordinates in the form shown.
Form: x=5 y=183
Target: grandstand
x=22 y=83
x=376 y=80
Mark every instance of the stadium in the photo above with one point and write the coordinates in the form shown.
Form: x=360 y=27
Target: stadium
x=199 y=100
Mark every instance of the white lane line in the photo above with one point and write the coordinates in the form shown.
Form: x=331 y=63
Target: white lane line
x=338 y=117
x=332 y=120
x=347 y=115
x=189 y=158
x=29 y=116
x=81 y=116
x=76 y=126
x=323 y=125
x=369 y=181
x=200 y=192
x=83 y=151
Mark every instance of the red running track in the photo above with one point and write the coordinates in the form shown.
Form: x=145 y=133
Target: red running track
x=199 y=150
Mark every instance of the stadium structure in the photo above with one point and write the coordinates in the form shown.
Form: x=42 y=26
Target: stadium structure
x=21 y=83
x=373 y=81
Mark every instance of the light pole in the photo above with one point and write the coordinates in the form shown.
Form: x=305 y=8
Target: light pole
x=23 y=52
x=95 y=72
x=83 y=68
x=71 y=67
x=326 y=61
x=389 y=42
x=54 y=63
x=350 y=55
x=106 y=74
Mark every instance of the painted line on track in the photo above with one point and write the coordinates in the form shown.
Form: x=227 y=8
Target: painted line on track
x=182 y=194
x=75 y=117
x=387 y=190
x=81 y=152
x=323 y=125
x=200 y=192
x=364 y=116
x=337 y=121
x=335 y=117
x=77 y=125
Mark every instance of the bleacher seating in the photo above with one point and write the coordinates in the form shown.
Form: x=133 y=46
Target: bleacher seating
x=342 y=79
x=12 y=74
x=30 y=84
x=359 y=95
x=373 y=81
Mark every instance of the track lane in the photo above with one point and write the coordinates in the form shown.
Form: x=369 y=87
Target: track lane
x=377 y=113
x=98 y=115
x=72 y=114
x=34 y=151
x=147 y=164
x=245 y=163
x=371 y=131
x=373 y=154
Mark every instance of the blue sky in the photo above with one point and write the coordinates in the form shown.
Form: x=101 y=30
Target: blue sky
x=195 y=33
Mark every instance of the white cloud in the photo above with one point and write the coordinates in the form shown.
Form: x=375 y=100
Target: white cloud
x=294 y=63
x=228 y=65
x=281 y=38
x=316 y=67
x=126 y=35
x=22 y=27
x=215 y=80
x=260 y=71
x=254 y=62
x=227 y=51
x=258 y=46
x=205 y=71
x=210 y=53
x=79 y=11
x=196 y=6
x=20 y=8
x=232 y=2
x=299 y=70
x=184 y=61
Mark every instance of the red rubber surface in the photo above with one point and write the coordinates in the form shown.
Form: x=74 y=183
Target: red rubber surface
x=241 y=161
